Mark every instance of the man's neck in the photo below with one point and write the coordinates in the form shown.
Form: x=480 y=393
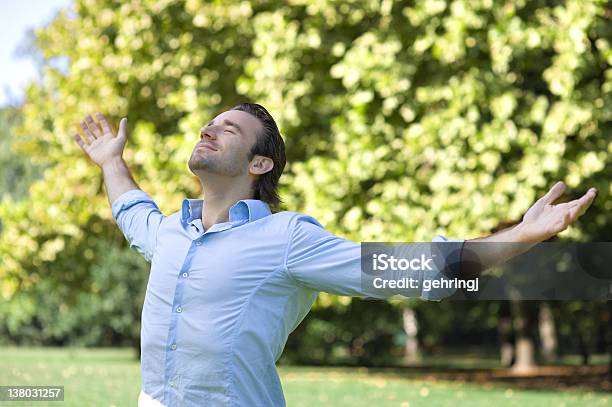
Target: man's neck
x=219 y=198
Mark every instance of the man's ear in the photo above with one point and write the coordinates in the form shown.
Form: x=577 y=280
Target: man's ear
x=260 y=165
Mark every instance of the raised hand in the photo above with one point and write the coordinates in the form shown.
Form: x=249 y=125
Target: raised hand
x=100 y=143
x=544 y=220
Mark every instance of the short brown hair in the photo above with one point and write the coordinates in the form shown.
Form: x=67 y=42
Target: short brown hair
x=269 y=144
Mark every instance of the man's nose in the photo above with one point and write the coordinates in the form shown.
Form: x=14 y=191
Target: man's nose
x=209 y=133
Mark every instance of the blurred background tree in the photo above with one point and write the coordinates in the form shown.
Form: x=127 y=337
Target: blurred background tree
x=402 y=120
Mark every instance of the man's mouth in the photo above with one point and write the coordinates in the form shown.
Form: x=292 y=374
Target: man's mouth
x=207 y=146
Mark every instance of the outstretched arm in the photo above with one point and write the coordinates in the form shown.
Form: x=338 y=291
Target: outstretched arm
x=136 y=214
x=318 y=260
x=321 y=261
x=541 y=222
x=106 y=151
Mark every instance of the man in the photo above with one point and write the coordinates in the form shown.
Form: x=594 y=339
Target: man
x=230 y=280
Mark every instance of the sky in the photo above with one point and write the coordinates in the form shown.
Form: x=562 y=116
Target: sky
x=16 y=18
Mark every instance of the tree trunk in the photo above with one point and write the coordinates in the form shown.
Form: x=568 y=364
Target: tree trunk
x=548 y=334
x=506 y=343
x=582 y=333
x=411 y=328
x=524 y=350
x=583 y=346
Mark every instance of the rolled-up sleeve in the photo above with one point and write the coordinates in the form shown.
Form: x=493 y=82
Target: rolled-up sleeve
x=321 y=261
x=139 y=219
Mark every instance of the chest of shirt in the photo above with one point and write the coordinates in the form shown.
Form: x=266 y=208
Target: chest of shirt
x=216 y=266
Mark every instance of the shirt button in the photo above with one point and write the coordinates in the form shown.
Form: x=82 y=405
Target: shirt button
x=198 y=243
x=185 y=275
x=171 y=384
x=173 y=346
x=179 y=309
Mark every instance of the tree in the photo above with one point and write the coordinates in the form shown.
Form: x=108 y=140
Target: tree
x=402 y=120
x=16 y=173
x=547 y=331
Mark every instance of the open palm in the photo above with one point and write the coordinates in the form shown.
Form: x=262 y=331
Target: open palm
x=100 y=143
x=544 y=220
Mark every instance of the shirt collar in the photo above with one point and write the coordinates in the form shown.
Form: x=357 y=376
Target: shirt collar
x=245 y=209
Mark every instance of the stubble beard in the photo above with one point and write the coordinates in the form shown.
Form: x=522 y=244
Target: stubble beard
x=208 y=163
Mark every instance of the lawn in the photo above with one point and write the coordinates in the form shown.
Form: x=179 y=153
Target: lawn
x=111 y=377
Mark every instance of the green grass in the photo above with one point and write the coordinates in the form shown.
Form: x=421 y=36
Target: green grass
x=111 y=377
x=91 y=377
x=305 y=386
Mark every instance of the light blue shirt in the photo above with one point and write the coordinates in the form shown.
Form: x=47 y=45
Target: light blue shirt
x=220 y=303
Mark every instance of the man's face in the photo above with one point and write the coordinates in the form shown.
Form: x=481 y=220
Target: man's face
x=225 y=144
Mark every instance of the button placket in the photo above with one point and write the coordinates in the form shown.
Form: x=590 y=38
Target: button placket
x=174 y=381
x=171 y=356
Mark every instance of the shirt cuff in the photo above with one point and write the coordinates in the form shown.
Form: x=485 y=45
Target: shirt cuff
x=129 y=199
x=452 y=267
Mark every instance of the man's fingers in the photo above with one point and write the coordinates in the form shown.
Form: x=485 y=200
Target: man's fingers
x=554 y=193
x=88 y=134
x=579 y=206
x=586 y=198
x=106 y=128
x=80 y=141
x=122 y=128
x=93 y=126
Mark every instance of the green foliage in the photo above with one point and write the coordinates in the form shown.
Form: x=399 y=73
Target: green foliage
x=84 y=292
x=356 y=334
x=16 y=173
x=402 y=120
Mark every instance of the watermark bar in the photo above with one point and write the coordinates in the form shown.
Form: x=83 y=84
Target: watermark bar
x=31 y=393
x=487 y=271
